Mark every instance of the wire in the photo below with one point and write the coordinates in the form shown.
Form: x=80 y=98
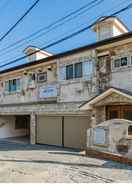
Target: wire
x=54 y=24
x=19 y=20
x=95 y=18
x=69 y=36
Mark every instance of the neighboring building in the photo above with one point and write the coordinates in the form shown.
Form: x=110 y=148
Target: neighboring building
x=48 y=93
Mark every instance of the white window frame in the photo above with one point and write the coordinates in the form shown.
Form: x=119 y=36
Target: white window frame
x=120 y=67
x=73 y=62
x=16 y=91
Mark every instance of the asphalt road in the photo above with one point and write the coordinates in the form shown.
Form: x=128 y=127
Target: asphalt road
x=26 y=163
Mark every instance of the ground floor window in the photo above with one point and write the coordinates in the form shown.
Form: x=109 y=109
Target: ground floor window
x=119 y=112
x=130 y=130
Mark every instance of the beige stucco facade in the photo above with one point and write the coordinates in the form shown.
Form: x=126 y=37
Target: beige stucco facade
x=56 y=94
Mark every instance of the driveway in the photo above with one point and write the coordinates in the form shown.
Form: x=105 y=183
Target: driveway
x=26 y=163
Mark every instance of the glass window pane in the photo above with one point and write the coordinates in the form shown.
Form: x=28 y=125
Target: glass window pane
x=69 y=72
x=78 y=70
x=17 y=84
x=13 y=85
x=130 y=130
x=117 y=63
x=128 y=115
x=124 y=61
x=113 y=114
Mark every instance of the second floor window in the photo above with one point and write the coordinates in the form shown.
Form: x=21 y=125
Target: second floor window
x=12 y=85
x=78 y=70
x=120 y=62
x=69 y=72
x=74 y=71
x=82 y=69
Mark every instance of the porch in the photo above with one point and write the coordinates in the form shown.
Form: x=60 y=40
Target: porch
x=111 y=127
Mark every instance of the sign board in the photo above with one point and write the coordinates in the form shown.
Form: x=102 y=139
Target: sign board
x=99 y=136
x=48 y=91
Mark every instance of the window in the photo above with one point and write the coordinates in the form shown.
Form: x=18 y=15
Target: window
x=117 y=63
x=78 y=70
x=130 y=130
x=42 y=77
x=124 y=61
x=74 y=71
x=69 y=72
x=121 y=62
x=12 y=85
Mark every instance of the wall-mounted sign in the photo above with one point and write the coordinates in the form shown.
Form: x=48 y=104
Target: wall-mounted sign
x=48 y=91
x=99 y=136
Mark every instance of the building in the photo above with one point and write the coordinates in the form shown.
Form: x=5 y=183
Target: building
x=54 y=99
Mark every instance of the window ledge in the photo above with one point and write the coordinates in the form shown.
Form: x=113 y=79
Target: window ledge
x=12 y=93
x=75 y=80
x=121 y=69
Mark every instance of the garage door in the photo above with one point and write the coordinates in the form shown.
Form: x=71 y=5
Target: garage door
x=75 y=128
x=49 y=130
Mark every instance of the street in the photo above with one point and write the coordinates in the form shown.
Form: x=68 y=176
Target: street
x=37 y=163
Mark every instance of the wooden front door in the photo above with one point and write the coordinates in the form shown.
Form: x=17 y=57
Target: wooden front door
x=119 y=112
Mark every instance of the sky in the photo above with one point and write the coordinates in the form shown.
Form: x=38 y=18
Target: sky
x=45 y=13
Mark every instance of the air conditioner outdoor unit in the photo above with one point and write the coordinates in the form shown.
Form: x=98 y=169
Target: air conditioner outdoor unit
x=42 y=77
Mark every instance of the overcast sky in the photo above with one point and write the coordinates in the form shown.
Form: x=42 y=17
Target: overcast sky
x=45 y=13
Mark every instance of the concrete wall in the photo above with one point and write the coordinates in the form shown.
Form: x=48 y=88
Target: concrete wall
x=7 y=128
x=27 y=93
x=121 y=77
x=116 y=134
x=68 y=90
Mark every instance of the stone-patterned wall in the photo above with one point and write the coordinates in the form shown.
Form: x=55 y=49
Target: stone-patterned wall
x=100 y=115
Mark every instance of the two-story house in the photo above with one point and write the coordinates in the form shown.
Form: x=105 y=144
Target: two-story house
x=54 y=99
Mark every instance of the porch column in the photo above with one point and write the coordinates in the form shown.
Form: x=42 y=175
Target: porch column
x=33 y=128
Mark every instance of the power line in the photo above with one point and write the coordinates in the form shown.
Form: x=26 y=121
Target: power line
x=93 y=19
x=19 y=20
x=53 y=25
x=70 y=36
x=52 y=28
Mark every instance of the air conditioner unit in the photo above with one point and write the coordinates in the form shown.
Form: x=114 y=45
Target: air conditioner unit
x=42 y=77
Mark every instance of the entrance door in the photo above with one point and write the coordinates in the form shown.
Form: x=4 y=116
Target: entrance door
x=119 y=112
